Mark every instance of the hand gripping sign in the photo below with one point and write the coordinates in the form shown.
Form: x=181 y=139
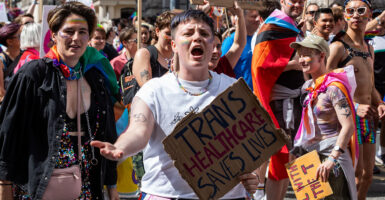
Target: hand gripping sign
x=302 y=173
x=231 y=136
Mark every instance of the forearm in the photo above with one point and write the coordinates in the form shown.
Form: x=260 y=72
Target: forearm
x=240 y=31
x=344 y=137
x=292 y=65
x=131 y=141
x=31 y=8
x=6 y=190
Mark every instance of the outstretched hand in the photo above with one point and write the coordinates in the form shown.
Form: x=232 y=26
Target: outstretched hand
x=108 y=150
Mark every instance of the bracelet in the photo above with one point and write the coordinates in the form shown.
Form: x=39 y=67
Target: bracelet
x=331 y=158
x=378 y=21
x=381 y=103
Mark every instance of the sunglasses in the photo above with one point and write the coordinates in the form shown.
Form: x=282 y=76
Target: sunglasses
x=133 y=40
x=311 y=12
x=350 y=11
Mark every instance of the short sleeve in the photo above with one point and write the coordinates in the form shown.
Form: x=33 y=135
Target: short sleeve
x=226 y=45
x=147 y=94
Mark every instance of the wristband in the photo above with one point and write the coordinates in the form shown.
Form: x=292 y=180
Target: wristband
x=111 y=186
x=378 y=21
x=381 y=103
x=356 y=106
x=331 y=158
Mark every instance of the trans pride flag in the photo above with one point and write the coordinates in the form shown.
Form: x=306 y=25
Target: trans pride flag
x=344 y=79
x=270 y=57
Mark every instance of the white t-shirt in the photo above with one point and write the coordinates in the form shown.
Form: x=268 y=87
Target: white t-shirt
x=169 y=104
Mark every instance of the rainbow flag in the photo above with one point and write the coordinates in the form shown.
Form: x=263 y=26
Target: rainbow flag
x=370 y=34
x=270 y=57
x=344 y=79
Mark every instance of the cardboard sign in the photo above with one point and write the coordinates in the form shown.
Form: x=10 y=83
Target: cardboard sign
x=3 y=12
x=197 y=2
x=231 y=136
x=302 y=173
x=244 y=4
x=45 y=32
x=248 y=4
x=222 y=3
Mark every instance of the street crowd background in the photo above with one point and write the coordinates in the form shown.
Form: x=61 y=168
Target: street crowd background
x=119 y=41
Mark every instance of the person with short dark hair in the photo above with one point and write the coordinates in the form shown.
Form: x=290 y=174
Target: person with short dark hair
x=162 y=102
x=323 y=23
x=10 y=38
x=53 y=108
x=98 y=40
x=128 y=38
x=226 y=63
x=155 y=60
x=146 y=37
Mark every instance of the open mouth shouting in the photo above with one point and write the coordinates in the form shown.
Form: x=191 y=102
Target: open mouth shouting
x=197 y=52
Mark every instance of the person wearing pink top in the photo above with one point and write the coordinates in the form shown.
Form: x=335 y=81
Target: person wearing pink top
x=30 y=42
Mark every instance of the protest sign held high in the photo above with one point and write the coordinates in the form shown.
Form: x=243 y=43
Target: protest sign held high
x=231 y=136
x=302 y=174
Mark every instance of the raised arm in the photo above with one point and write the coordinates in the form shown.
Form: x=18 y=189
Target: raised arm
x=374 y=22
x=239 y=43
x=135 y=138
x=141 y=67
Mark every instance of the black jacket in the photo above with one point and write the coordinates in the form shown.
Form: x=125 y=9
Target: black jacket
x=32 y=119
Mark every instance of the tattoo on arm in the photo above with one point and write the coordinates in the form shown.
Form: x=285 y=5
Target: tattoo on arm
x=139 y=117
x=144 y=75
x=343 y=105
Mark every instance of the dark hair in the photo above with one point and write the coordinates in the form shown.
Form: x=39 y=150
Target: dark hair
x=367 y=2
x=126 y=33
x=376 y=13
x=189 y=15
x=322 y=11
x=57 y=16
x=102 y=31
x=266 y=7
x=219 y=35
x=164 y=20
x=7 y=31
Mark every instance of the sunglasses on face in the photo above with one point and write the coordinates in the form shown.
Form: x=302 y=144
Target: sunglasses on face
x=350 y=11
x=312 y=12
x=133 y=40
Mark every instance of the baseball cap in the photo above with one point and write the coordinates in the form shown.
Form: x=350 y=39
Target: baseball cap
x=314 y=42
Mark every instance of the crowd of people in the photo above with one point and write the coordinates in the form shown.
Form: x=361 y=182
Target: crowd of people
x=318 y=72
